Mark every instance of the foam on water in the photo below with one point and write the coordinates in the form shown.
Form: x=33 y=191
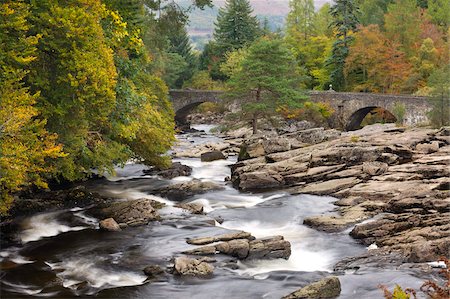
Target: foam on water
x=83 y=270
x=304 y=256
x=136 y=194
x=231 y=199
x=44 y=225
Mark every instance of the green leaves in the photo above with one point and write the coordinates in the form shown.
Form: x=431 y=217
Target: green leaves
x=266 y=78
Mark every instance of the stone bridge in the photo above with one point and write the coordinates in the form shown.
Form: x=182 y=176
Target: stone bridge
x=350 y=107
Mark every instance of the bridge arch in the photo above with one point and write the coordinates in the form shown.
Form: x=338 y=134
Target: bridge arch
x=182 y=113
x=357 y=117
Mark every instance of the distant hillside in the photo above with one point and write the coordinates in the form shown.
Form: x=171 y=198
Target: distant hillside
x=201 y=22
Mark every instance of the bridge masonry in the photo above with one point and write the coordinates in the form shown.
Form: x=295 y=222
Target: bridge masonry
x=350 y=107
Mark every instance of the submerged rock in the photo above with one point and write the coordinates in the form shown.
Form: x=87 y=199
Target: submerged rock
x=109 y=224
x=190 y=266
x=194 y=208
x=153 y=270
x=329 y=287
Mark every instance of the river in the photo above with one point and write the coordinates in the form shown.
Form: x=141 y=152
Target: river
x=65 y=255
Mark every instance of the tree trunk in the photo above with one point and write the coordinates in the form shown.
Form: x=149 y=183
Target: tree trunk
x=254 y=123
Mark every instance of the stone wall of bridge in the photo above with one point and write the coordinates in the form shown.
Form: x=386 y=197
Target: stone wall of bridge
x=350 y=107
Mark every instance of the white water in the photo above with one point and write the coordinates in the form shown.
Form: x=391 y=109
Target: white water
x=44 y=225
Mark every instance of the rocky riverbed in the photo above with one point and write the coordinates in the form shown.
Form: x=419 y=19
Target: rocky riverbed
x=267 y=228
x=401 y=177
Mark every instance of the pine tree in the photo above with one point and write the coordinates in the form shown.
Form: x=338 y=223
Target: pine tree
x=345 y=22
x=300 y=20
x=265 y=80
x=180 y=44
x=235 y=26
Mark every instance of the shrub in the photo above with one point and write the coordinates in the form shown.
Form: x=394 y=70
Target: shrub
x=399 y=112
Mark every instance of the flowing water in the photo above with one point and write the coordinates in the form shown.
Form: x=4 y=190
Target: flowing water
x=64 y=254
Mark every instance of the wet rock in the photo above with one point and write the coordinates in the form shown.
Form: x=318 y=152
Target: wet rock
x=224 y=237
x=260 y=180
x=332 y=223
x=176 y=169
x=212 y=156
x=32 y=202
x=269 y=248
x=421 y=237
x=181 y=191
x=194 y=208
x=374 y=168
x=193 y=267
x=153 y=270
x=237 y=248
x=109 y=224
x=329 y=287
x=133 y=212
x=264 y=248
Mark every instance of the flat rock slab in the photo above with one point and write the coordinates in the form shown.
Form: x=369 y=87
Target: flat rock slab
x=264 y=248
x=224 y=237
x=327 y=187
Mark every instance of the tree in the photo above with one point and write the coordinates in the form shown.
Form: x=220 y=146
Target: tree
x=440 y=13
x=27 y=150
x=300 y=21
x=345 y=22
x=235 y=26
x=267 y=79
x=439 y=84
x=76 y=77
x=322 y=21
x=180 y=44
x=401 y=24
x=375 y=63
x=143 y=117
x=372 y=12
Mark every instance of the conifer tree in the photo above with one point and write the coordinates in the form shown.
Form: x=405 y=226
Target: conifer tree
x=235 y=26
x=265 y=80
x=345 y=21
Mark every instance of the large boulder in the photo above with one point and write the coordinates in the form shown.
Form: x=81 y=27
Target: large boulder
x=193 y=267
x=132 y=212
x=212 y=156
x=329 y=287
x=181 y=191
x=175 y=170
x=109 y=224
x=259 y=180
